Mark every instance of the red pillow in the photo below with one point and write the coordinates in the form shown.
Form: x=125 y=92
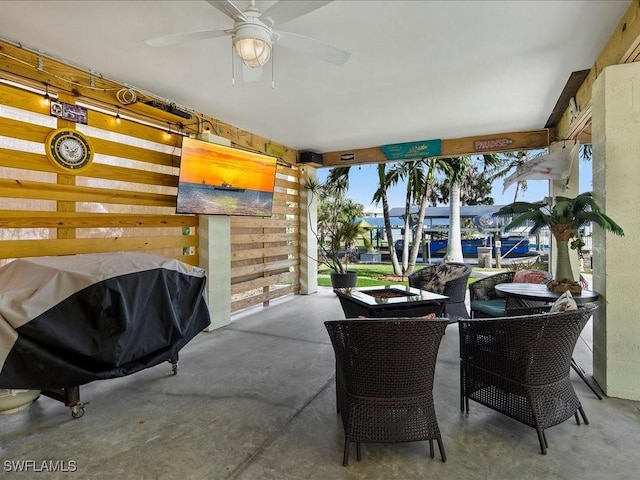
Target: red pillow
x=529 y=276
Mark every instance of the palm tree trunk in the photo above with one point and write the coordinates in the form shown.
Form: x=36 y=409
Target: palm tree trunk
x=454 y=245
x=388 y=230
x=563 y=262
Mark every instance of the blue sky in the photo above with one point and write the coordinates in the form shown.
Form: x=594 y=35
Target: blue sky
x=364 y=180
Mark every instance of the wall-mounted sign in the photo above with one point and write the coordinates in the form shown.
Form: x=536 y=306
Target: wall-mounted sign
x=492 y=144
x=275 y=150
x=73 y=113
x=405 y=151
x=347 y=157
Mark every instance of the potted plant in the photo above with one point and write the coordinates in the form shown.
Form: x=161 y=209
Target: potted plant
x=564 y=219
x=337 y=230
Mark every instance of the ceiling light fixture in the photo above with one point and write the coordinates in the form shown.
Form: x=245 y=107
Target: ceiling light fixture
x=252 y=42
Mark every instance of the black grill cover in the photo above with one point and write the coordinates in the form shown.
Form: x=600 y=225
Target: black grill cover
x=66 y=321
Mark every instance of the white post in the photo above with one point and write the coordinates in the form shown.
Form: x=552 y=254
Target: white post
x=565 y=188
x=616 y=174
x=308 y=240
x=214 y=250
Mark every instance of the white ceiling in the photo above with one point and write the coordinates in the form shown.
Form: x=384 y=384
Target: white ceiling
x=419 y=69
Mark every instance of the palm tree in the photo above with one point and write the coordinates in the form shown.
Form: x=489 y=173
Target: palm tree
x=380 y=195
x=336 y=223
x=564 y=219
x=457 y=169
x=419 y=176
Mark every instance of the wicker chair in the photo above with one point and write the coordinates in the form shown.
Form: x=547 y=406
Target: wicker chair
x=485 y=301
x=384 y=380
x=519 y=366
x=518 y=310
x=448 y=279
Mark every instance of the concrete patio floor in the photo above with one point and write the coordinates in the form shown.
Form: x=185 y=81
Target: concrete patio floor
x=256 y=400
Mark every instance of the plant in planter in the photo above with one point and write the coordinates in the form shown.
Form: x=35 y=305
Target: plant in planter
x=337 y=230
x=564 y=219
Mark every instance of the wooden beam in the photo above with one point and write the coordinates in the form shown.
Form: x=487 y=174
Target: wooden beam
x=477 y=145
x=622 y=47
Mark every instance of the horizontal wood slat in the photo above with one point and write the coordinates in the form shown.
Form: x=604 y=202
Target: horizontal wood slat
x=248 y=222
x=240 y=238
x=264 y=297
x=70 y=246
x=288 y=184
x=107 y=147
x=39 y=163
x=262 y=268
x=72 y=193
x=285 y=197
x=251 y=254
x=261 y=282
x=20 y=130
x=31 y=219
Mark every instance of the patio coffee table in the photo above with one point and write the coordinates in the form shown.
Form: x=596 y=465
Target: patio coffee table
x=390 y=301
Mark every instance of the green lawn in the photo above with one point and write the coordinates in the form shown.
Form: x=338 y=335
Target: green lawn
x=368 y=275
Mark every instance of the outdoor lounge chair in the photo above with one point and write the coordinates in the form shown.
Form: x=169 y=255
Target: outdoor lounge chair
x=485 y=301
x=519 y=366
x=448 y=279
x=384 y=379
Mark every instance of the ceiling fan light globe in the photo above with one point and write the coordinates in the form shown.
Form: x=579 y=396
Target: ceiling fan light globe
x=252 y=42
x=254 y=52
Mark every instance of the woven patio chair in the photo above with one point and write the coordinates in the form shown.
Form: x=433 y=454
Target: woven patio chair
x=448 y=279
x=518 y=310
x=519 y=366
x=384 y=380
x=485 y=301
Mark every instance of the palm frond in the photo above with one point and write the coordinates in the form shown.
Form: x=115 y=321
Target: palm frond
x=602 y=221
x=517 y=208
x=537 y=218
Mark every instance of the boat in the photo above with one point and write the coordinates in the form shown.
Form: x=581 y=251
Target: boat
x=227 y=187
x=513 y=246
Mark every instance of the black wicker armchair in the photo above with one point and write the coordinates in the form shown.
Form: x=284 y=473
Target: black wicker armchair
x=448 y=279
x=485 y=301
x=519 y=366
x=384 y=379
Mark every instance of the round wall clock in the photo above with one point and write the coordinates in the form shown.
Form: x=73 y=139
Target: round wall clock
x=68 y=149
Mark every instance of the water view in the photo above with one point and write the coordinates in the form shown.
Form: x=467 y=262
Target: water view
x=224 y=199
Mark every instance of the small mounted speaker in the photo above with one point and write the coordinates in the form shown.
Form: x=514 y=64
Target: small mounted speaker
x=311 y=157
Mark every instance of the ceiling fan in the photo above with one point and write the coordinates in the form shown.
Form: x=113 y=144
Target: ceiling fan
x=253 y=35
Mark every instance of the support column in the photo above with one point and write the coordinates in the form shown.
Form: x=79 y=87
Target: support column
x=214 y=233
x=616 y=175
x=214 y=251
x=308 y=240
x=565 y=188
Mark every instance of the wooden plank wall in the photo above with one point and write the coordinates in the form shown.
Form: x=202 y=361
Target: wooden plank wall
x=265 y=251
x=125 y=201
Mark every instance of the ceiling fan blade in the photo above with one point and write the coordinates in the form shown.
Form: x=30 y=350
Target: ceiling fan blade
x=229 y=9
x=186 y=37
x=283 y=11
x=251 y=74
x=312 y=47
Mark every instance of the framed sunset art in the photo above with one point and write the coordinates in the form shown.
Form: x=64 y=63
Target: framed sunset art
x=219 y=180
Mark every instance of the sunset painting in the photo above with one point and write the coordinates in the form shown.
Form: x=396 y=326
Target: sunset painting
x=219 y=180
